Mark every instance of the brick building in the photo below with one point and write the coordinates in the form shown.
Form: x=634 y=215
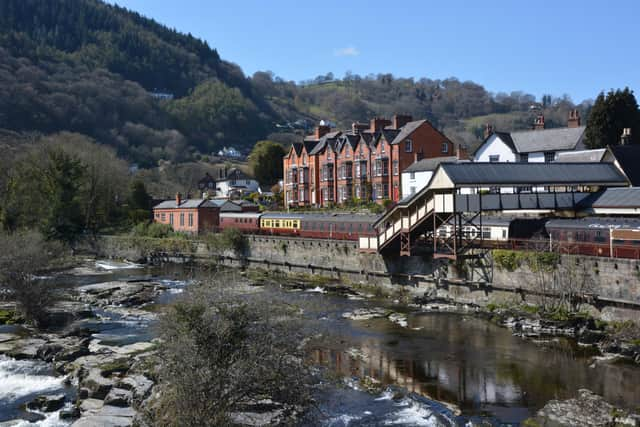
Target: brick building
x=362 y=163
x=189 y=216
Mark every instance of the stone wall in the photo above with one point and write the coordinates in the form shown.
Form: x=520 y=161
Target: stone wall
x=613 y=291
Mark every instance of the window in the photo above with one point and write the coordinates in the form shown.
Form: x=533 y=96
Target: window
x=396 y=167
x=494 y=158
x=171 y=219
x=163 y=217
x=382 y=147
x=445 y=147
x=412 y=190
x=181 y=220
x=408 y=146
x=524 y=157
x=412 y=175
x=549 y=156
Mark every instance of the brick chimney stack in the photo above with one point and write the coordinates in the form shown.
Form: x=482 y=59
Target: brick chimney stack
x=378 y=123
x=178 y=199
x=625 y=139
x=539 y=123
x=461 y=152
x=321 y=131
x=574 y=119
x=400 y=120
x=358 y=127
x=488 y=130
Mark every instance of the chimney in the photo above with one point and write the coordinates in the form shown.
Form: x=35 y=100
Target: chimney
x=488 y=130
x=178 y=199
x=400 y=120
x=358 y=127
x=574 y=119
x=321 y=131
x=539 y=123
x=378 y=123
x=461 y=152
x=625 y=139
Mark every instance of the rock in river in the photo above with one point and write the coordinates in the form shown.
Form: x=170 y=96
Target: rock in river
x=47 y=403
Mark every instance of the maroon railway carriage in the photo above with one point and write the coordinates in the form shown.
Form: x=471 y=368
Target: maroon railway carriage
x=597 y=236
x=245 y=221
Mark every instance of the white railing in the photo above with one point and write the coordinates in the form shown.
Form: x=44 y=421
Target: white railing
x=405 y=223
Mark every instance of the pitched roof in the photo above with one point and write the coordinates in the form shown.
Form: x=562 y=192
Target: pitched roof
x=533 y=173
x=429 y=164
x=628 y=156
x=407 y=130
x=582 y=155
x=504 y=137
x=556 y=139
x=628 y=197
x=327 y=140
x=187 y=203
x=297 y=147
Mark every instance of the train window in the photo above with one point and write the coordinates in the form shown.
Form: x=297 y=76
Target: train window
x=350 y=228
x=504 y=233
x=321 y=226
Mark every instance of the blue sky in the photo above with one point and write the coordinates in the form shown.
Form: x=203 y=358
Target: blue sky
x=557 y=47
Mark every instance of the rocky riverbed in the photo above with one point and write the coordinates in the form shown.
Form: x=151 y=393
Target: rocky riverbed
x=426 y=362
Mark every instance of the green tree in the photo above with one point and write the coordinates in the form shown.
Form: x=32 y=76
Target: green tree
x=61 y=183
x=139 y=202
x=265 y=161
x=610 y=115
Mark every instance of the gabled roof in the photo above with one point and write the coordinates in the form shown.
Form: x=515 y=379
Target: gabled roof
x=426 y=165
x=582 y=155
x=504 y=137
x=628 y=156
x=327 y=140
x=186 y=204
x=296 y=147
x=557 y=139
x=533 y=174
x=406 y=130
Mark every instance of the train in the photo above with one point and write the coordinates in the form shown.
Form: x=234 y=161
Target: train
x=339 y=226
x=595 y=236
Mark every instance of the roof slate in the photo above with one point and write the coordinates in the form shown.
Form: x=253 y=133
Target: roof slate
x=406 y=130
x=628 y=197
x=431 y=164
x=185 y=204
x=556 y=139
x=533 y=173
x=595 y=222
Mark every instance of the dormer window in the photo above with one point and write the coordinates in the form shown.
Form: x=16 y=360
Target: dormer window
x=382 y=147
x=408 y=147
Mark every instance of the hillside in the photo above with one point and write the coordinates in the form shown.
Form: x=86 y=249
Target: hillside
x=92 y=68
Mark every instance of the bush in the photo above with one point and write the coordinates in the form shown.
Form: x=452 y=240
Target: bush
x=220 y=353
x=153 y=229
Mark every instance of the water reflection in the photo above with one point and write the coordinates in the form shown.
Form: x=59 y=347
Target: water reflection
x=476 y=365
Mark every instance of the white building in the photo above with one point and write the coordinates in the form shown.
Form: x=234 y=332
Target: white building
x=538 y=145
x=417 y=176
x=236 y=184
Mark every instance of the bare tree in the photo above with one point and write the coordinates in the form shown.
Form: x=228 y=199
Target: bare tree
x=22 y=256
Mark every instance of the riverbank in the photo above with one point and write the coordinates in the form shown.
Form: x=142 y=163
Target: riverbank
x=119 y=344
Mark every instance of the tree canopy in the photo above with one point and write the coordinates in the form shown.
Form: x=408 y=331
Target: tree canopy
x=610 y=114
x=265 y=161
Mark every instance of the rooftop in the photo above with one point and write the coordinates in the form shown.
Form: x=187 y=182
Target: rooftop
x=426 y=165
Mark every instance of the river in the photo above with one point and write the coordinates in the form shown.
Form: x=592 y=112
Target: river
x=430 y=368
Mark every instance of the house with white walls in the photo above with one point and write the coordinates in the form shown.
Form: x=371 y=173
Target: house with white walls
x=417 y=175
x=537 y=145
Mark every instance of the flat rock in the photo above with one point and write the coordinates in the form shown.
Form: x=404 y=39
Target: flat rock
x=588 y=409
x=365 y=314
x=7 y=337
x=91 y=405
x=97 y=385
x=139 y=385
x=26 y=348
x=47 y=403
x=119 y=397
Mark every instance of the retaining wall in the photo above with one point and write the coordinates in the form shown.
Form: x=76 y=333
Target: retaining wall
x=613 y=291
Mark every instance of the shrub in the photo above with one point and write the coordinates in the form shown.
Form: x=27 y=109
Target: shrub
x=152 y=229
x=220 y=353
